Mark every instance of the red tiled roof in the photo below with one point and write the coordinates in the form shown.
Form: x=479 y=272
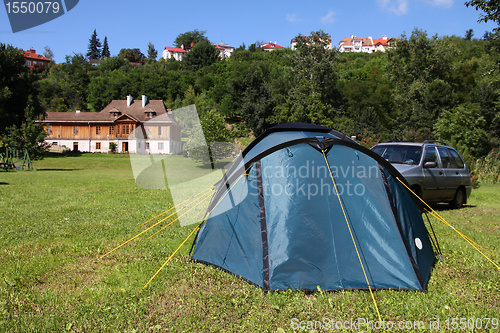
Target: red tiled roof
x=271 y=46
x=382 y=41
x=175 y=49
x=32 y=55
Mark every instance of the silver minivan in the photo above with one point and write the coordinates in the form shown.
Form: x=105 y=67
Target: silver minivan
x=435 y=171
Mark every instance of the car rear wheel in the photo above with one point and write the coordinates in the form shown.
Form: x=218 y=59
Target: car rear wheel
x=458 y=200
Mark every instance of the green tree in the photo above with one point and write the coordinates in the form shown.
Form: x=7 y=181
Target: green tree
x=189 y=38
x=47 y=53
x=201 y=55
x=250 y=91
x=112 y=63
x=463 y=127
x=132 y=55
x=17 y=86
x=418 y=67
x=469 y=34
x=215 y=135
x=152 y=52
x=68 y=81
x=313 y=96
x=105 y=49
x=29 y=135
x=94 y=49
x=491 y=9
x=366 y=94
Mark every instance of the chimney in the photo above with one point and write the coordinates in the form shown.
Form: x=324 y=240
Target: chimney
x=129 y=100
x=144 y=100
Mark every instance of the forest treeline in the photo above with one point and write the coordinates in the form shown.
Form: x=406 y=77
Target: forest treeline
x=426 y=87
x=445 y=88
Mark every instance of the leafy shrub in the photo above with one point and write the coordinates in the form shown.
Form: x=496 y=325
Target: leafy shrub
x=486 y=169
x=112 y=147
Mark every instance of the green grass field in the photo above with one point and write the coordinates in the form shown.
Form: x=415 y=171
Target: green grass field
x=55 y=223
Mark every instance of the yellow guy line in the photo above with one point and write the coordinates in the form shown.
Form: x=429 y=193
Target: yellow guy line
x=437 y=216
x=192 y=232
x=171 y=256
x=352 y=237
x=440 y=218
x=192 y=197
x=202 y=209
x=131 y=239
x=190 y=209
x=218 y=202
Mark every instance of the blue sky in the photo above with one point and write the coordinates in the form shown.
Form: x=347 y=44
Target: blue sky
x=132 y=24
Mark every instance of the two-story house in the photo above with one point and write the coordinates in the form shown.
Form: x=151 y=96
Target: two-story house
x=384 y=43
x=135 y=126
x=365 y=44
x=225 y=51
x=173 y=52
x=357 y=44
x=36 y=62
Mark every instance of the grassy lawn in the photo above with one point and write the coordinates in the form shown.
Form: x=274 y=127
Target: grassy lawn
x=56 y=222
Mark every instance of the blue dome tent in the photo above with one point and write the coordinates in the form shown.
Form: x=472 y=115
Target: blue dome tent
x=305 y=207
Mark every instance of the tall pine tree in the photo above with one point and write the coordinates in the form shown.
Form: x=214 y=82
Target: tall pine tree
x=152 y=53
x=94 y=50
x=105 y=49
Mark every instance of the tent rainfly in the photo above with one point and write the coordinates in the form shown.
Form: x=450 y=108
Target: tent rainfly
x=305 y=207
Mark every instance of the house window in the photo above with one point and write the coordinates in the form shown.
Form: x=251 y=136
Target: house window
x=49 y=130
x=147 y=145
x=97 y=145
x=98 y=130
x=160 y=145
x=54 y=143
x=159 y=130
x=125 y=129
x=75 y=130
x=118 y=129
x=111 y=130
x=28 y=62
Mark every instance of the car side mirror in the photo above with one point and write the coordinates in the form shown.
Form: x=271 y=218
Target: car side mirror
x=429 y=165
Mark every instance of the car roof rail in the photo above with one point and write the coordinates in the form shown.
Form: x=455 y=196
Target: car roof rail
x=436 y=141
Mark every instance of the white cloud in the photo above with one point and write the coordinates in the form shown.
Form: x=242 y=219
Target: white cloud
x=329 y=18
x=441 y=3
x=398 y=7
x=293 y=18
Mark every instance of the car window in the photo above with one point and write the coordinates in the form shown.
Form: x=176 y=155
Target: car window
x=456 y=157
x=431 y=156
x=379 y=150
x=446 y=160
x=400 y=153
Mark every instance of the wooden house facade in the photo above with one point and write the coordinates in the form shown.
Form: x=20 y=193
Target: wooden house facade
x=135 y=126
